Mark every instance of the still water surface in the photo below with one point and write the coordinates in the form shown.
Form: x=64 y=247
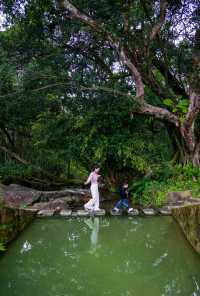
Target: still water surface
x=116 y=256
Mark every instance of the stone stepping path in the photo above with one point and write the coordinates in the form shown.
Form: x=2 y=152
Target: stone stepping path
x=149 y=212
x=134 y=212
x=165 y=211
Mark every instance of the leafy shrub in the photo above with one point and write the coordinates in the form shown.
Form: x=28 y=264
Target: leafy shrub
x=2 y=248
x=154 y=189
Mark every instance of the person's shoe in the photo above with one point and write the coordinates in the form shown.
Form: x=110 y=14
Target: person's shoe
x=116 y=210
x=130 y=210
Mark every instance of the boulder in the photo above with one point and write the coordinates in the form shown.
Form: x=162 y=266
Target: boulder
x=179 y=197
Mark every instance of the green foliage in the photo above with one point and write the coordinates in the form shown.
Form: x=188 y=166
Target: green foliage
x=179 y=106
x=153 y=190
x=53 y=110
x=16 y=170
x=2 y=247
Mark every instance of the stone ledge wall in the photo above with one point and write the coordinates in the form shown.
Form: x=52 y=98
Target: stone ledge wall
x=188 y=218
x=12 y=222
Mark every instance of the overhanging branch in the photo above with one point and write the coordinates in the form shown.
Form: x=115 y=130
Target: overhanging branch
x=75 y=13
x=160 y=113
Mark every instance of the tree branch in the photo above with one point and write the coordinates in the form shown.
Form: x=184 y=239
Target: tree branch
x=75 y=86
x=171 y=80
x=13 y=155
x=94 y=58
x=160 y=113
x=144 y=107
x=156 y=28
x=113 y=41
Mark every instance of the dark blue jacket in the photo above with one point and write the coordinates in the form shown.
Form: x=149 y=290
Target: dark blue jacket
x=123 y=192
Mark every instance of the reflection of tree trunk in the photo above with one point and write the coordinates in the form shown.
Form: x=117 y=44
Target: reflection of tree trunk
x=68 y=169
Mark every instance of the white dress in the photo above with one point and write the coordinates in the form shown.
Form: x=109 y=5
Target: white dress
x=93 y=203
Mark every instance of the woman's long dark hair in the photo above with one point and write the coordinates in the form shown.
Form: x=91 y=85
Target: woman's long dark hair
x=95 y=167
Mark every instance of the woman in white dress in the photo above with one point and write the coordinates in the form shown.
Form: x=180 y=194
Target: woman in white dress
x=93 y=203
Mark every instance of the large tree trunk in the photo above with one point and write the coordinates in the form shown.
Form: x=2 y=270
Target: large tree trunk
x=186 y=149
x=191 y=155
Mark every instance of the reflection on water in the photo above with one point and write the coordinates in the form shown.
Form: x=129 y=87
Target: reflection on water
x=93 y=224
x=26 y=247
x=100 y=256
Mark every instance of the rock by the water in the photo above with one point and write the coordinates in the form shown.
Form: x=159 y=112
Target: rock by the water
x=65 y=213
x=45 y=213
x=178 y=198
x=149 y=212
x=17 y=195
x=40 y=206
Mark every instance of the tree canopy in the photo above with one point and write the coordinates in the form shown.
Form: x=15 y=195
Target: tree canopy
x=108 y=82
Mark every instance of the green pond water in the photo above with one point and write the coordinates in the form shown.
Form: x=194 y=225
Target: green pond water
x=100 y=256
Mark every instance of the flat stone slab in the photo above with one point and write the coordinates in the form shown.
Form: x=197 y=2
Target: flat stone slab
x=101 y=212
x=32 y=210
x=65 y=213
x=149 y=212
x=82 y=213
x=45 y=213
x=115 y=213
x=134 y=212
x=165 y=211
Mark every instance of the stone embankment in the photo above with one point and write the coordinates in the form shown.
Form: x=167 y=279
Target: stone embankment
x=188 y=217
x=12 y=222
